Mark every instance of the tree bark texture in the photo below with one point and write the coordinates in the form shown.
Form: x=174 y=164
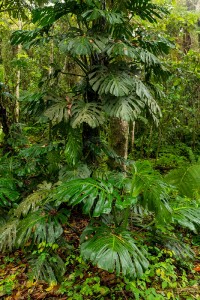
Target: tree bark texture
x=119 y=134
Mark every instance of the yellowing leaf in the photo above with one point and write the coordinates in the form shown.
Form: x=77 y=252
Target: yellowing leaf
x=30 y=284
x=158 y=271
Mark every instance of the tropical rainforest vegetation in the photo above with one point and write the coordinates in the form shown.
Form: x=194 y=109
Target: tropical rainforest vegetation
x=99 y=149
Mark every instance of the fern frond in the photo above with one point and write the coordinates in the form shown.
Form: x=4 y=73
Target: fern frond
x=113 y=250
x=8 y=234
x=80 y=171
x=3 y=216
x=33 y=201
x=7 y=165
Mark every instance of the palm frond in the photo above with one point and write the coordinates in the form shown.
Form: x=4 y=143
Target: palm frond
x=187 y=217
x=113 y=250
x=186 y=213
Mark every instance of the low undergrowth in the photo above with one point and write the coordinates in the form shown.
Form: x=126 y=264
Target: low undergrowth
x=166 y=277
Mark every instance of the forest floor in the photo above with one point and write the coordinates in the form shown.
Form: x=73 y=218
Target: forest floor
x=84 y=281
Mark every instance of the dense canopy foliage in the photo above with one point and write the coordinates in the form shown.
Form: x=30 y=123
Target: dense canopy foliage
x=99 y=125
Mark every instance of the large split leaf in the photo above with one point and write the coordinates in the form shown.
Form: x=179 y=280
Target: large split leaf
x=117 y=83
x=47 y=266
x=127 y=108
x=96 y=196
x=146 y=10
x=8 y=192
x=151 y=190
x=186 y=179
x=113 y=250
x=73 y=147
x=58 y=111
x=90 y=113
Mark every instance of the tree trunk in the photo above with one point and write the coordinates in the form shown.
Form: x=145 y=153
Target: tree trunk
x=17 y=92
x=119 y=133
x=90 y=143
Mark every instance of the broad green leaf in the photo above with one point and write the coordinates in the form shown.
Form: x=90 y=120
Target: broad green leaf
x=113 y=250
x=96 y=196
x=90 y=113
x=186 y=179
x=73 y=147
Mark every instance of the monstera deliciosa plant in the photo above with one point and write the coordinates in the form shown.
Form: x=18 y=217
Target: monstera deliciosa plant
x=116 y=62
x=117 y=65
